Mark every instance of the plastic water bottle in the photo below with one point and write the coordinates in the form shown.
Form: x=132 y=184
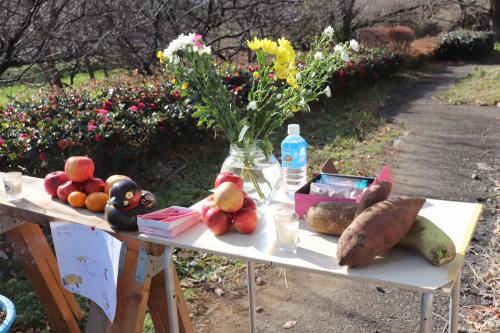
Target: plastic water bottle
x=294 y=159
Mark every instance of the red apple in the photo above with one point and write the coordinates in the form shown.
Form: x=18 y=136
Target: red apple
x=93 y=185
x=248 y=203
x=228 y=197
x=66 y=188
x=245 y=221
x=207 y=204
x=217 y=221
x=229 y=177
x=52 y=181
x=79 y=168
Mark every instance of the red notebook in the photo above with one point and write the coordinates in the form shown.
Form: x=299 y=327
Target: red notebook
x=168 y=218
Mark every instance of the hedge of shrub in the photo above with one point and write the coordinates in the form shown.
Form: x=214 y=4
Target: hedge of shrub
x=126 y=124
x=465 y=45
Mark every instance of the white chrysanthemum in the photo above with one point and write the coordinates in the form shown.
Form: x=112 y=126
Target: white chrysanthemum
x=329 y=32
x=342 y=52
x=180 y=43
x=328 y=91
x=252 y=106
x=354 y=45
x=204 y=50
x=298 y=76
x=319 y=56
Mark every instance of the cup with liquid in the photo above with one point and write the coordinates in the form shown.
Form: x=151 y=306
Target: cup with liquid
x=13 y=185
x=287 y=230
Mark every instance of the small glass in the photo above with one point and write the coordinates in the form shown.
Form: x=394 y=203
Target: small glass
x=287 y=231
x=13 y=184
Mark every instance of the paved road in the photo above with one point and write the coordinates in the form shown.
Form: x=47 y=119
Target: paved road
x=442 y=147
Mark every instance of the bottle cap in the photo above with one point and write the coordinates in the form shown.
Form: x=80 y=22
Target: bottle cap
x=293 y=129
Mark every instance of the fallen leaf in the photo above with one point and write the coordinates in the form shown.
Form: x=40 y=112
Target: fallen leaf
x=259 y=309
x=219 y=292
x=289 y=324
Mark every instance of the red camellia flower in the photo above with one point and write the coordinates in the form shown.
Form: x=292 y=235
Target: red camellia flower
x=341 y=73
x=152 y=106
x=250 y=68
x=102 y=112
x=63 y=144
x=141 y=106
x=349 y=64
x=91 y=126
x=42 y=156
x=2 y=141
x=98 y=137
x=133 y=108
x=176 y=94
x=107 y=105
x=24 y=136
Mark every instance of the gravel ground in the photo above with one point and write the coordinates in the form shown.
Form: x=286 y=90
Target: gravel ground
x=446 y=152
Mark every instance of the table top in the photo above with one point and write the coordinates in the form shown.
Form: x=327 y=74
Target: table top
x=398 y=268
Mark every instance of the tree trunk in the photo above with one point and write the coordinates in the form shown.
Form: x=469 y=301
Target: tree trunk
x=51 y=74
x=90 y=69
x=495 y=18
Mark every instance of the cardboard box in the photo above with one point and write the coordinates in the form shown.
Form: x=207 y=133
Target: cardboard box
x=304 y=200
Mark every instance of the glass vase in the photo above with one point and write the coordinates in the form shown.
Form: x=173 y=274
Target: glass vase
x=261 y=176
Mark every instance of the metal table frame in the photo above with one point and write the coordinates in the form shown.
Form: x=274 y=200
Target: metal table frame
x=426 y=302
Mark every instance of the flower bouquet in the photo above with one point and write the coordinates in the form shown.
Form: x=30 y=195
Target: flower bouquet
x=280 y=86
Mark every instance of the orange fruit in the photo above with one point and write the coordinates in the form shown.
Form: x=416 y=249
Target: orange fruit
x=96 y=201
x=77 y=199
x=111 y=180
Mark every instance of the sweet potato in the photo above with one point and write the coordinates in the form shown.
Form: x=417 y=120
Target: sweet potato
x=376 y=230
x=373 y=194
x=432 y=242
x=330 y=218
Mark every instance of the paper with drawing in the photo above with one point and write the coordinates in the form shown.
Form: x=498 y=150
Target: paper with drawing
x=88 y=263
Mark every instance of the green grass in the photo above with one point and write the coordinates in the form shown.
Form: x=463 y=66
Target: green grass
x=345 y=128
x=7 y=92
x=481 y=87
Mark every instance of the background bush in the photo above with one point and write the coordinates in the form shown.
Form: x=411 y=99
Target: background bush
x=465 y=45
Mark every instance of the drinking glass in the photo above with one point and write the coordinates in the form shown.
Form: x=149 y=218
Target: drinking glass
x=12 y=183
x=287 y=230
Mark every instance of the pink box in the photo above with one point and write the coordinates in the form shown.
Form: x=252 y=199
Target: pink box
x=304 y=200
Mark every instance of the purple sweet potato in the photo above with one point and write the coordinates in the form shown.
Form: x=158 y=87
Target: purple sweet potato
x=376 y=230
x=373 y=194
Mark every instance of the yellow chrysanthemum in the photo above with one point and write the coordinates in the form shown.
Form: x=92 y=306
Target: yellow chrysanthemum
x=256 y=75
x=255 y=44
x=159 y=55
x=268 y=46
x=184 y=86
x=173 y=81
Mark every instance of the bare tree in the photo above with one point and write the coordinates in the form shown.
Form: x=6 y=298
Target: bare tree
x=495 y=18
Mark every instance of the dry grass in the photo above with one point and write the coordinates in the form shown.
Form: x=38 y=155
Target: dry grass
x=423 y=46
x=486 y=272
x=480 y=87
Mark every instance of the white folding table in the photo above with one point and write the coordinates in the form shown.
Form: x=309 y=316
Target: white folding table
x=316 y=253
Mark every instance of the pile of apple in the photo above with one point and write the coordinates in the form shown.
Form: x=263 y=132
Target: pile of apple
x=77 y=185
x=228 y=206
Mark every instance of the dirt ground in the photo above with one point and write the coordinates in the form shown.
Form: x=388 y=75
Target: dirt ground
x=445 y=152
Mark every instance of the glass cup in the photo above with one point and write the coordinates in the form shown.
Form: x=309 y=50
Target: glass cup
x=13 y=183
x=287 y=230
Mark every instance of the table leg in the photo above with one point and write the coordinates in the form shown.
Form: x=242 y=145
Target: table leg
x=426 y=313
x=454 y=304
x=251 y=296
x=173 y=322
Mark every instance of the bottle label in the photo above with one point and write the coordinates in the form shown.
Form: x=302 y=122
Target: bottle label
x=293 y=158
